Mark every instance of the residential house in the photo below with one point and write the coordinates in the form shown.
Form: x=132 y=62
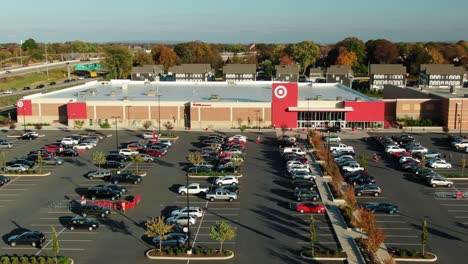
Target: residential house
x=441 y=76
x=316 y=75
x=191 y=73
x=287 y=73
x=240 y=72
x=147 y=73
x=383 y=74
x=340 y=74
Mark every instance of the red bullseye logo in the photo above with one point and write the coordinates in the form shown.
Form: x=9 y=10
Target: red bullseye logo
x=280 y=92
x=20 y=104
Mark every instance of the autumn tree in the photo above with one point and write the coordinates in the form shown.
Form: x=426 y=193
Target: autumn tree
x=382 y=51
x=157 y=227
x=165 y=56
x=436 y=56
x=306 y=53
x=142 y=58
x=351 y=44
x=286 y=60
x=346 y=58
x=118 y=61
x=350 y=198
x=417 y=56
x=198 y=52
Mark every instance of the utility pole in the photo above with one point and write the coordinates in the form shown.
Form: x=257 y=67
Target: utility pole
x=47 y=62
x=21 y=56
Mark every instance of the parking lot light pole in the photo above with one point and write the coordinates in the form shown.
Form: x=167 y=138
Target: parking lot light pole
x=189 y=250
x=116 y=133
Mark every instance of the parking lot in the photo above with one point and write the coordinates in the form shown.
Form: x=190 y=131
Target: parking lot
x=447 y=216
x=267 y=230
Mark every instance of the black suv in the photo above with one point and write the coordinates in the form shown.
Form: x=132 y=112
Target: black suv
x=103 y=192
x=125 y=177
x=358 y=180
x=115 y=187
x=92 y=209
x=4 y=179
x=112 y=164
x=303 y=184
x=33 y=238
x=68 y=153
x=117 y=157
x=82 y=222
x=370 y=189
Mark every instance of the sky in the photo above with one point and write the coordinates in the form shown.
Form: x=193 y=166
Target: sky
x=234 y=21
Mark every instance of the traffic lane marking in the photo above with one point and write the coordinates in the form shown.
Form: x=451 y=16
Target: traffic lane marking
x=32 y=248
x=9 y=183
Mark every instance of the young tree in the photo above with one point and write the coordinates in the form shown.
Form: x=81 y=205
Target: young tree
x=147 y=124
x=313 y=233
x=423 y=161
x=236 y=162
x=363 y=160
x=137 y=159
x=350 y=198
x=99 y=158
x=3 y=159
x=157 y=227
x=463 y=165
x=195 y=158
x=40 y=161
x=55 y=244
x=168 y=125
x=375 y=238
x=78 y=124
x=424 y=236
x=242 y=128
x=221 y=232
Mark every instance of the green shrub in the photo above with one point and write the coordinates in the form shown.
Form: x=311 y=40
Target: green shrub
x=24 y=260
x=105 y=125
x=14 y=260
x=170 y=251
x=403 y=253
x=178 y=251
x=42 y=260
x=197 y=251
x=413 y=253
x=64 y=260
x=5 y=260
x=50 y=260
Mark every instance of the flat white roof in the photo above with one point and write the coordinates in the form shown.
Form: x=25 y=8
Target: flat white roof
x=120 y=90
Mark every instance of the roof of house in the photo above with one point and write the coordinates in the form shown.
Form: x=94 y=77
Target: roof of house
x=191 y=68
x=387 y=69
x=147 y=68
x=315 y=70
x=120 y=90
x=442 y=69
x=339 y=69
x=240 y=68
x=287 y=69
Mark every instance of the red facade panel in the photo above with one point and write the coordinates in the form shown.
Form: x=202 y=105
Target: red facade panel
x=24 y=107
x=366 y=111
x=284 y=95
x=77 y=110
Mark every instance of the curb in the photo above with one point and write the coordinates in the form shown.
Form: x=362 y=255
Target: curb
x=434 y=259
x=455 y=179
x=168 y=138
x=189 y=258
x=27 y=175
x=322 y=258
x=204 y=177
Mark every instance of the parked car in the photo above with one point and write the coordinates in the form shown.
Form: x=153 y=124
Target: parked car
x=331 y=139
x=52 y=161
x=182 y=219
x=230 y=188
x=128 y=152
x=308 y=207
x=125 y=177
x=101 y=174
x=146 y=157
x=370 y=189
x=193 y=188
x=5 y=145
x=4 y=179
x=440 y=181
x=392 y=149
x=380 y=207
x=27 y=137
x=147 y=135
x=418 y=150
x=221 y=194
x=440 y=164
x=92 y=209
x=358 y=180
x=198 y=169
x=82 y=223
x=195 y=211
x=112 y=164
x=305 y=175
x=352 y=167
x=102 y=192
x=303 y=184
x=171 y=240
x=226 y=180
x=68 y=153
x=156 y=152
x=306 y=194
x=33 y=238
x=83 y=146
x=16 y=167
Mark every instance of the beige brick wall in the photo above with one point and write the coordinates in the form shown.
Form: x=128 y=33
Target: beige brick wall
x=245 y=114
x=50 y=110
x=167 y=112
x=107 y=112
x=136 y=112
x=215 y=114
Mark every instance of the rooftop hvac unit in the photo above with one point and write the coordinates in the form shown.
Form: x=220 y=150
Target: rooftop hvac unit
x=318 y=97
x=339 y=98
x=358 y=99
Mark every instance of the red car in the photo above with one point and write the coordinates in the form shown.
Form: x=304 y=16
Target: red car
x=156 y=153
x=236 y=142
x=310 y=207
x=399 y=154
x=53 y=148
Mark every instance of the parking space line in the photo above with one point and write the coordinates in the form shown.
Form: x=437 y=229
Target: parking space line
x=22 y=184
x=9 y=183
x=399 y=236
x=78 y=232
x=198 y=229
x=458 y=211
x=461 y=216
x=399 y=222
x=15 y=189
x=46 y=225
x=10 y=194
x=318 y=242
x=454 y=204
x=48 y=243
x=407 y=244
x=211 y=214
x=75 y=240
x=6 y=200
x=395 y=228
x=32 y=248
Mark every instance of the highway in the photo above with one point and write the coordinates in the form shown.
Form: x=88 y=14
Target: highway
x=43 y=67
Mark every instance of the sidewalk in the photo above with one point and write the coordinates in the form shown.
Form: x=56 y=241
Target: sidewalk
x=345 y=237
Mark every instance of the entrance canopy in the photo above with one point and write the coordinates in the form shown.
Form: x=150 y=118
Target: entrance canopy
x=319 y=109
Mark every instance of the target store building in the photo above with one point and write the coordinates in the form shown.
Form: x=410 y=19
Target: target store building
x=213 y=105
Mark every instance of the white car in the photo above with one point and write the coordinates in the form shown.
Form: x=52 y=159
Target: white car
x=32 y=133
x=8 y=92
x=295 y=168
x=233 y=151
x=128 y=152
x=165 y=142
x=343 y=158
x=440 y=164
x=182 y=219
x=84 y=146
x=16 y=167
x=440 y=181
x=405 y=158
x=295 y=162
x=226 y=180
x=352 y=167
x=195 y=211
x=238 y=137
x=420 y=150
x=147 y=135
x=461 y=145
x=393 y=149
x=69 y=141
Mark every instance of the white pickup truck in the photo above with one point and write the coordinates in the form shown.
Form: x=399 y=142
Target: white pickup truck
x=352 y=167
x=193 y=188
x=341 y=147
